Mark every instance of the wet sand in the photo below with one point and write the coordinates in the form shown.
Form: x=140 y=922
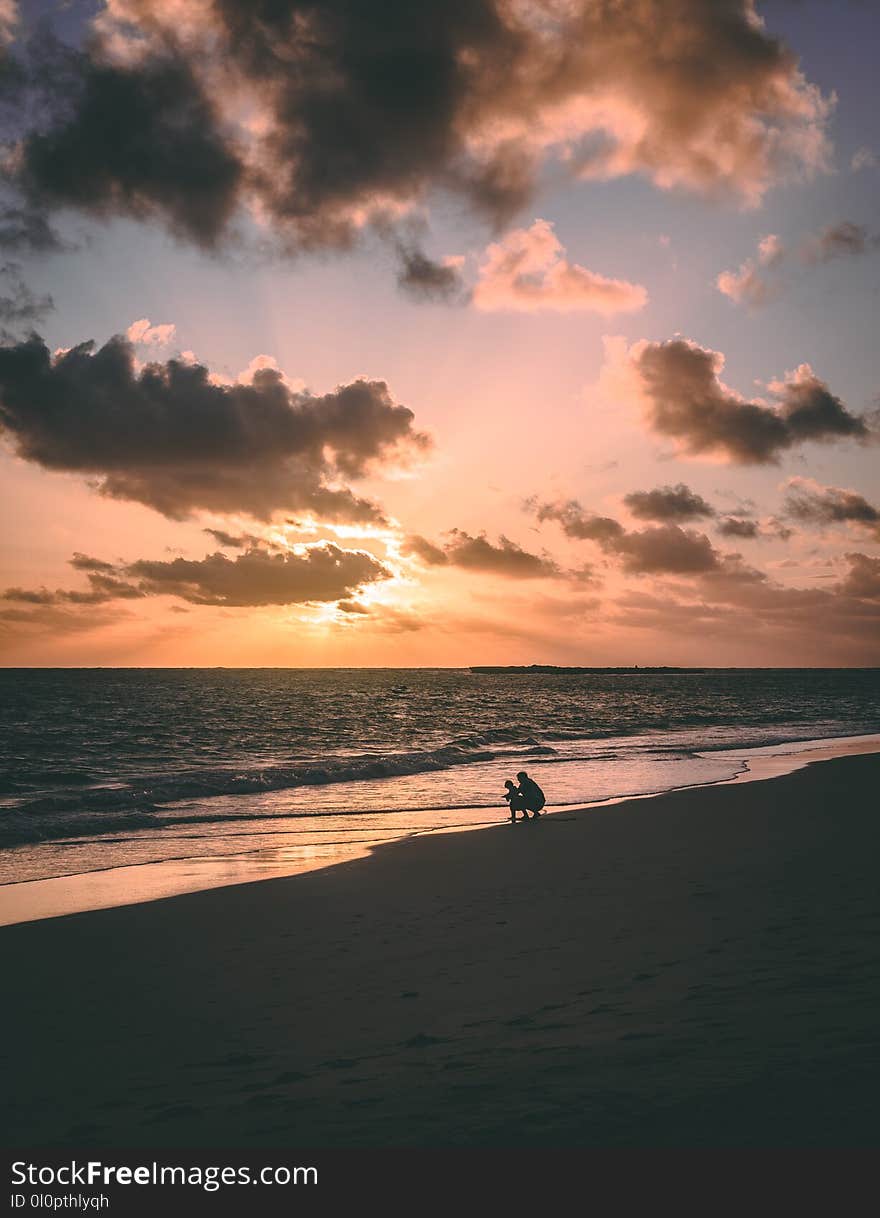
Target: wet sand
x=695 y=969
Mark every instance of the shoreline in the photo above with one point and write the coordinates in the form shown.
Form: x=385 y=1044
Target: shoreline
x=139 y=883
x=694 y=969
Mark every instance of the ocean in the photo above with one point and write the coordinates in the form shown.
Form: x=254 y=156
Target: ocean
x=110 y=768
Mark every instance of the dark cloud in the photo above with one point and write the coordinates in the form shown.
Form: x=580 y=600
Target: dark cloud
x=425 y=550
x=328 y=113
x=863 y=578
x=775 y=528
x=736 y=526
x=424 y=279
x=506 y=558
x=807 y=501
x=668 y=503
x=166 y=435
x=85 y=562
x=661 y=548
x=479 y=554
x=354 y=607
x=101 y=588
x=687 y=401
x=27 y=229
x=836 y=241
x=18 y=305
x=231 y=541
x=321 y=572
x=141 y=140
x=666 y=548
x=576 y=522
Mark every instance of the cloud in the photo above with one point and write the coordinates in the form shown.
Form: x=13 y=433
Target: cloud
x=26 y=228
x=423 y=279
x=18 y=305
x=736 y=526
x=322 y=572
x=806 y=624
x=137 y=139
x=168 y=436
x=668 y=503
x=102 y=588
x=527 y=271
x=747 y=285
x=143 y=333
x=323 y=117
x=248 y=374
x=844 y=239
x=383 y=619
x=666 y=548
x=85 y=562
x=49 y=621
x=863 y=578
x=232 y=541
x=863 y=158
x=576 y=522
x=8 y=20
x=354 y=607
x=757 y=281
x=812 y=503
x=770 y=250
x=686 y=400
x=477 y=553
x=318 y=573
x=419 y=547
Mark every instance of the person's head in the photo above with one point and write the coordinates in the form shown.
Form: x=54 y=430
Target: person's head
x=510 y=784
x=521 y=775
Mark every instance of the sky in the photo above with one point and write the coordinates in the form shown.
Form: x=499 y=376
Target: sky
x=339 y=333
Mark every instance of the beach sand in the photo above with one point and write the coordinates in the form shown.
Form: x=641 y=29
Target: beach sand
x=695 y=969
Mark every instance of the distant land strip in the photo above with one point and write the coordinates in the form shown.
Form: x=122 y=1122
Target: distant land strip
x=564 y=668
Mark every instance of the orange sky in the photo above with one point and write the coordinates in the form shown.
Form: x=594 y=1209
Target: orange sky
x=425 y=427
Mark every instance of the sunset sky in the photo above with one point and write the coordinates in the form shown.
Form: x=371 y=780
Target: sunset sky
x=457 y=332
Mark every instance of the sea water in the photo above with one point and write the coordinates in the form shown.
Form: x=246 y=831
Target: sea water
x=102 y=769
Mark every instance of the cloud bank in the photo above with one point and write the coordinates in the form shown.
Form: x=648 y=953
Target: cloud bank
x=318 y=118
x=167 y=435
x=255 y=578
x=663 y=548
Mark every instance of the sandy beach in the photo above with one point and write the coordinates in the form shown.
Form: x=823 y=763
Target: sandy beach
x=694 y=969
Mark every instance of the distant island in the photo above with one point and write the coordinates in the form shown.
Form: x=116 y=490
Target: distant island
x=564 y=668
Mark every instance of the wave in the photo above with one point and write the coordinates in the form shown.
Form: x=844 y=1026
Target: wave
x=137 y=804
x=47 y=815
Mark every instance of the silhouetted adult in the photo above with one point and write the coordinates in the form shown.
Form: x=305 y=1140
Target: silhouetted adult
x=531 y=794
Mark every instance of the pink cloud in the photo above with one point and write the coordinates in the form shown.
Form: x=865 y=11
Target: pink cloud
x=147 y=335
x=527 y=271
x=748 y=285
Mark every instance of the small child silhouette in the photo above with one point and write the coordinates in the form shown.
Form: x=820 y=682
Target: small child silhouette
x=515 y=800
